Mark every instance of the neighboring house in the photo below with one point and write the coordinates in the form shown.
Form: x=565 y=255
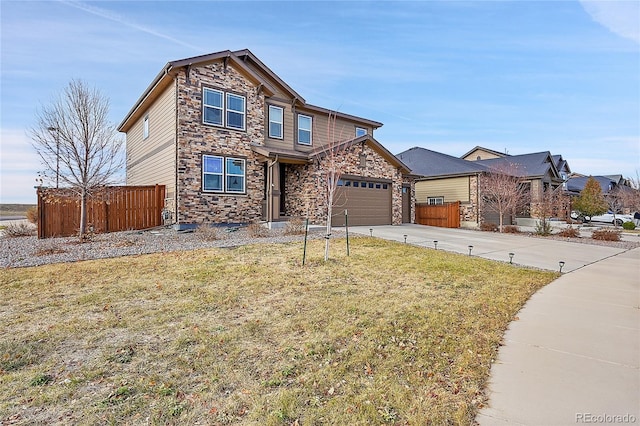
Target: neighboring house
x=444 y=178
x=233 y=143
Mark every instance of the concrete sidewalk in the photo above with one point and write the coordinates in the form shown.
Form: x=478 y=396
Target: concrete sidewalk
x=573 y=355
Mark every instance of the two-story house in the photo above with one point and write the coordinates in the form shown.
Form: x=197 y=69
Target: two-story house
x=233 y=143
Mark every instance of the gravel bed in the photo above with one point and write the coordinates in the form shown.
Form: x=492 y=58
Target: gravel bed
x=31 y=251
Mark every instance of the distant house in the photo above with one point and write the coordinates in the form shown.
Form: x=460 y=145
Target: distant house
x=234 y=143
x=444 y=178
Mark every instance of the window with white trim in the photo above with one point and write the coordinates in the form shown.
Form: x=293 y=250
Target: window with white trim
x=145 y=127
x=360 y=131
x=235 y=111
x=276 y=115
x=223 y=174
x=305 y=124
x=223 y=109
x=435 y=201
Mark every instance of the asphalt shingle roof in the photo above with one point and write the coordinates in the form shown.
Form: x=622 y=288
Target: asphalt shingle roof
x=425 y=162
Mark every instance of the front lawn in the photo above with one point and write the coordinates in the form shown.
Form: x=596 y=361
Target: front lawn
x=391 y=334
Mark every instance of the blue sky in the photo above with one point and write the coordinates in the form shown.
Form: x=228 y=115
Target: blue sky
x=514 y=76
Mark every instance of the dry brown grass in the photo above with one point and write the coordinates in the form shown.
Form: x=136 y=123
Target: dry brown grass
x=391 y=334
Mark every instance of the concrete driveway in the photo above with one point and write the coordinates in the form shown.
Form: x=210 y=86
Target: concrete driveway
x=540 y=253
x=573 y=355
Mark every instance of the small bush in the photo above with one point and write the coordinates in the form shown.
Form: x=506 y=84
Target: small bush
x=20 y=229
x=207 y=233
x=256 y=230
x=32 y=214
x=629 y=226
x=606 y=234
x=295 y=226
x=486 y=226
x=570 y=232
x=543 y=227
x=510 y=229
x=49 y=247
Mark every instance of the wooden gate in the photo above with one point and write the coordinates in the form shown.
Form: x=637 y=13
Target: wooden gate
x=444 y=215
x=112 y=209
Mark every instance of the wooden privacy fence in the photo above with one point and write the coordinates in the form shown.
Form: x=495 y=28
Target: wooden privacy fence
x=444 y=215
x=114 y=208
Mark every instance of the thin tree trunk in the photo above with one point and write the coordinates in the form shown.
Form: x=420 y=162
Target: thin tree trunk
x=83 y=213
x=328 y=232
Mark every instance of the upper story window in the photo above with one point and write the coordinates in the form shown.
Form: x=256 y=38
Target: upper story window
x=435 y=201
x=223 y=174
x=235 y=111
x=360 y=131
x=220 y=109
x=276 y=115
x=145 y=127
x=305 y=124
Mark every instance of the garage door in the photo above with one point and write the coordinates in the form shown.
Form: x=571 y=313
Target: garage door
x=368 y=202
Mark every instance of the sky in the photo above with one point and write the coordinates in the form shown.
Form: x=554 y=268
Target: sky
x=513 y=76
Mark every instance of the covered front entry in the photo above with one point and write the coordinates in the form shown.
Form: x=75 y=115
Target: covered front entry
x=367 y=201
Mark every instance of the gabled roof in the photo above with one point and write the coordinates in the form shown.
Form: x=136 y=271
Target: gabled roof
x=561 y=164
x=534 y=165
x=427 y=163
x=303 y=157
x=490 y=151
x=168 y=72
x=577 y=184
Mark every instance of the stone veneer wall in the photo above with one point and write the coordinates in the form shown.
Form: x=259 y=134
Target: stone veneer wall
x=411 y=181
x=195 y=138
x=469 y=211
x=306 y=193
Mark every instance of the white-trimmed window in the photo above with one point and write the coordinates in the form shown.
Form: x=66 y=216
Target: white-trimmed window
x=305 y=123
x=360 y=131
x=276 y=116
x=435 y=201
x=223 y=109
x=235 y=173
x=223 y=174
x=213 y=107
x=235 y=111
x=145 y=127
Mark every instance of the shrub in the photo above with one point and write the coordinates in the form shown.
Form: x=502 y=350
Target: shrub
x=256 y=230
x=207 y=233
x=570 y=232
x=510 y=229
x=486 y=226
x=606 y=234
x=295 y=226
x=32 y=214
x=543 y=227
x=629 y=226
x=20 y=229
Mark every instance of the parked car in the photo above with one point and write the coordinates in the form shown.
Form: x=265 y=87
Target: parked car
x=609 y=217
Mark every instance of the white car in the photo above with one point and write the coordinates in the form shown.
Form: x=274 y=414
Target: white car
x=608 y=217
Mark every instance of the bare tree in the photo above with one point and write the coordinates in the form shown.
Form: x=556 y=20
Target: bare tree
x=549 y=205
x=77 y=144
x=331 y=165
x=502 y=191
x=630 y=195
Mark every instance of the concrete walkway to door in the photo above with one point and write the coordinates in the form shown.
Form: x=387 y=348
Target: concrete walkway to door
x=573 y=356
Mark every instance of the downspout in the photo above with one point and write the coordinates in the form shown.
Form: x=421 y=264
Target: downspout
x=175 y=163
